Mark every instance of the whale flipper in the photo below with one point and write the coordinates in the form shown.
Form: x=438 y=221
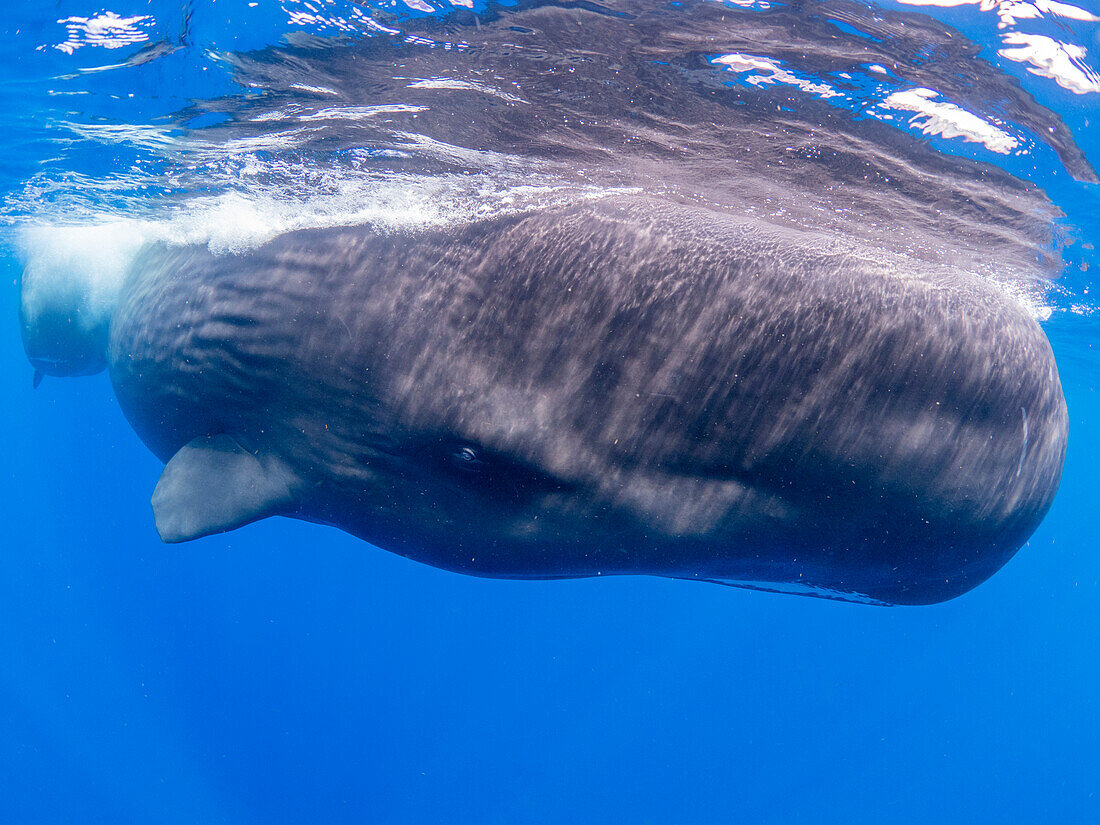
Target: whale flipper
x=213 y=484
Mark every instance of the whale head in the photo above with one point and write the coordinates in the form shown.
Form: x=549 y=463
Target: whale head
x=68 y=291
x=629 y=386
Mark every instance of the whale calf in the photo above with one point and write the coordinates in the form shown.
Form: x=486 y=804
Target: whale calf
x=626 y=385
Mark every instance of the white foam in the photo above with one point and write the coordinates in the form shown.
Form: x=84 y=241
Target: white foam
x=361 y=112
x=765 y=71
x=81 y=267
x=453 y=84
x=937 y=117
x=1064 y=63
x=106 y=30
x=95 y=256
x=1009 y=11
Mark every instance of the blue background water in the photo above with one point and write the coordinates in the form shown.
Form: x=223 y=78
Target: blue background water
x=289 y=673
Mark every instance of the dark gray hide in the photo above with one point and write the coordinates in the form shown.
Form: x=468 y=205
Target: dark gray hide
x=622 y=386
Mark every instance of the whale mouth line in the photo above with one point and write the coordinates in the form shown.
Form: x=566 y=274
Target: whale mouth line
x=65 y=367
x=797 y=589
x=43 y=362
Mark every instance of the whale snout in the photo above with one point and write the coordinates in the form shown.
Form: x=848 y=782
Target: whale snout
x=64 y=334
x=68 y=291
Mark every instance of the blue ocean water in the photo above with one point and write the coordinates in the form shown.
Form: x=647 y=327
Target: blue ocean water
x=288 y=673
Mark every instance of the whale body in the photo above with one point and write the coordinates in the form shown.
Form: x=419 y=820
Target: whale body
x=619 y=386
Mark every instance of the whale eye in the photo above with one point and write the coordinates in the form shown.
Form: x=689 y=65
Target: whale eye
x=467 y=458
x=502 y=477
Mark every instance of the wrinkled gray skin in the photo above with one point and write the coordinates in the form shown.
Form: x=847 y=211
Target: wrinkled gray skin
x=624 y=386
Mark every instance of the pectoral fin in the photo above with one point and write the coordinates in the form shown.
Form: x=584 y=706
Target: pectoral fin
x=213 y=484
